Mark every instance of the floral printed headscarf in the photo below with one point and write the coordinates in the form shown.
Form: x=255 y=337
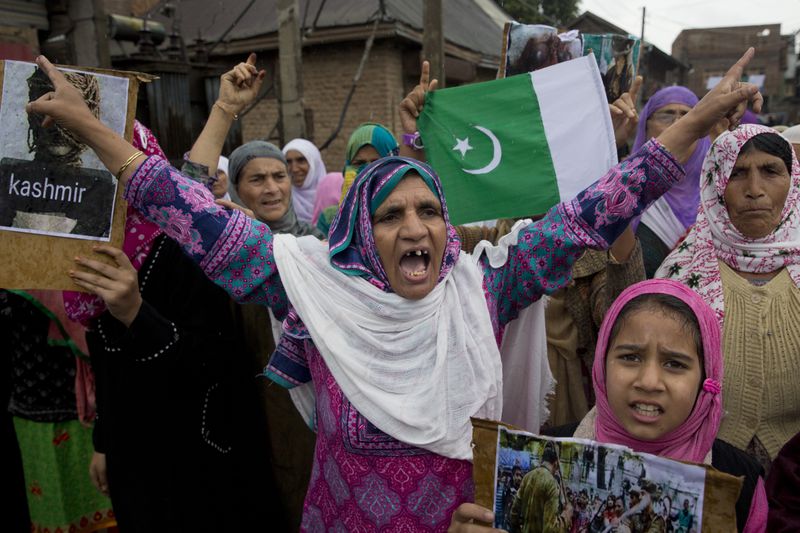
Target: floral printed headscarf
x=714 y=237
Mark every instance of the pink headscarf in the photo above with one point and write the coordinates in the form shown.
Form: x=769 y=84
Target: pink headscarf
x=696 y=261
x=139 y=236
x=692 y=440
x=328 y=193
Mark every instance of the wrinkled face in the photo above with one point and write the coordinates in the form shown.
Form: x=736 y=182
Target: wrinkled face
x=756 y=193
x=298 y=167
x=220 y=186
x=410 y=235
x=364 y=156
x=265 y=188
x=653 y=373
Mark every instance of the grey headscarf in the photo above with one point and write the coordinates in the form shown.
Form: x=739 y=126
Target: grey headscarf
x=289 y=222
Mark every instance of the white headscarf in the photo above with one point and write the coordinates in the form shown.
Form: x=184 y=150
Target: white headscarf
x=303 y=197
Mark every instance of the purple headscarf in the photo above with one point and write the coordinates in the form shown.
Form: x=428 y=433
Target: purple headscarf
x=684 y=197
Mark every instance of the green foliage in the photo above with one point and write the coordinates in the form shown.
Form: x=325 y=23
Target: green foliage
x=553 y=12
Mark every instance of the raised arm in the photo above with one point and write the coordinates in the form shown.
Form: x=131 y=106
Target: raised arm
x=541 y=261
x=237 y=89
x=233 y=250
x=410 y=108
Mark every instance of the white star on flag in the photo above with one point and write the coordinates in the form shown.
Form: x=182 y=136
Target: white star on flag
x=463 y=146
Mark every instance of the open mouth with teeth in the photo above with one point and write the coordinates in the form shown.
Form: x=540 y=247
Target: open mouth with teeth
x=646 y=410
x=414 y=264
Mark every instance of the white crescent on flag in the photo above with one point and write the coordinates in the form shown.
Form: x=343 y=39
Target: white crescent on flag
x=497 y=153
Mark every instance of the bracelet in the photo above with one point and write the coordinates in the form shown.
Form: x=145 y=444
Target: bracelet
x=128 y=162
x=219 y=105
x=413 y=140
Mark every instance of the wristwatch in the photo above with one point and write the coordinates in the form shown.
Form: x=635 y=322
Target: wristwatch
x=413 y=140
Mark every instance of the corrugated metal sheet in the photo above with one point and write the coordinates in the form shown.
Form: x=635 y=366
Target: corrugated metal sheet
x=473 y=24
x=171 y=111
x=24 y=14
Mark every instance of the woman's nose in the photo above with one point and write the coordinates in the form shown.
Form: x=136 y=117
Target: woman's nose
x=412 y=227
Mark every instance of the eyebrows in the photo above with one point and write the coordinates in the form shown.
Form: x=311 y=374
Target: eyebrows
x=397 y=206
x=663 y=352
x=772 y=166
x=265 y=174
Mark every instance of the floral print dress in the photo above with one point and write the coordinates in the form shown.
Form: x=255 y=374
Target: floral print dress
x=363 y=479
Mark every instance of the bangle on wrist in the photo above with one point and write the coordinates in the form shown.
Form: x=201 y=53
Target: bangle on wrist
x=225 y=110
x=413 y=140
x=128 y=162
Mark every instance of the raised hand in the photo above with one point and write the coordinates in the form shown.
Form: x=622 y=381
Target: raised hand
x=64 y=105
x=240 y=86
x=624 y=117
x=727 y=101
x=412 y=104
x=118 y=285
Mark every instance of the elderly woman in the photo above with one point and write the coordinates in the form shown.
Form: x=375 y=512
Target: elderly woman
x=743 y=258
x=398 y=328
x=307 y=170
x=664 y=223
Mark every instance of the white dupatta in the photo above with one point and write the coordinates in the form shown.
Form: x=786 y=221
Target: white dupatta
x=416 y=369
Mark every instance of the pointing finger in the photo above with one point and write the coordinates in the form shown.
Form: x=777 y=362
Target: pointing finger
x=735 y=72
x=425 y=75
x=251 y=59
x=55 y=75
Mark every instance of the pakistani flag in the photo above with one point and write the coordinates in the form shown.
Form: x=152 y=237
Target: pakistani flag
x=517 y=146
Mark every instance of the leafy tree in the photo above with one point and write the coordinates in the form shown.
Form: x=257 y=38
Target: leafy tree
x=552 y=12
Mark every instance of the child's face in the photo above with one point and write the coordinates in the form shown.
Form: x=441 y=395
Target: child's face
x=653 y=373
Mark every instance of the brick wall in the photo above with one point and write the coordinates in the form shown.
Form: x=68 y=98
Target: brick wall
x=710 y=52
x=327 y=75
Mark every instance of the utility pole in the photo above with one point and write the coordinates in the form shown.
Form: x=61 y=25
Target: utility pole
x=290 y=50
x=433 y=39
x=644 y=12
x=644 y=56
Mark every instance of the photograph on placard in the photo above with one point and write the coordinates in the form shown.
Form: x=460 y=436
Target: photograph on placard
x=50 y=182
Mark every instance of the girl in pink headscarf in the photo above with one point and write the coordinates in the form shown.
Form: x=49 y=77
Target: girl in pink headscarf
x=657 y=377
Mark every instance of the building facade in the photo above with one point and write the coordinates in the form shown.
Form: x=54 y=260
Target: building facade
x=711 y=51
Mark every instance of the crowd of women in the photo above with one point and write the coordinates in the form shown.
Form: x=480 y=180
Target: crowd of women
x=382 y=325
